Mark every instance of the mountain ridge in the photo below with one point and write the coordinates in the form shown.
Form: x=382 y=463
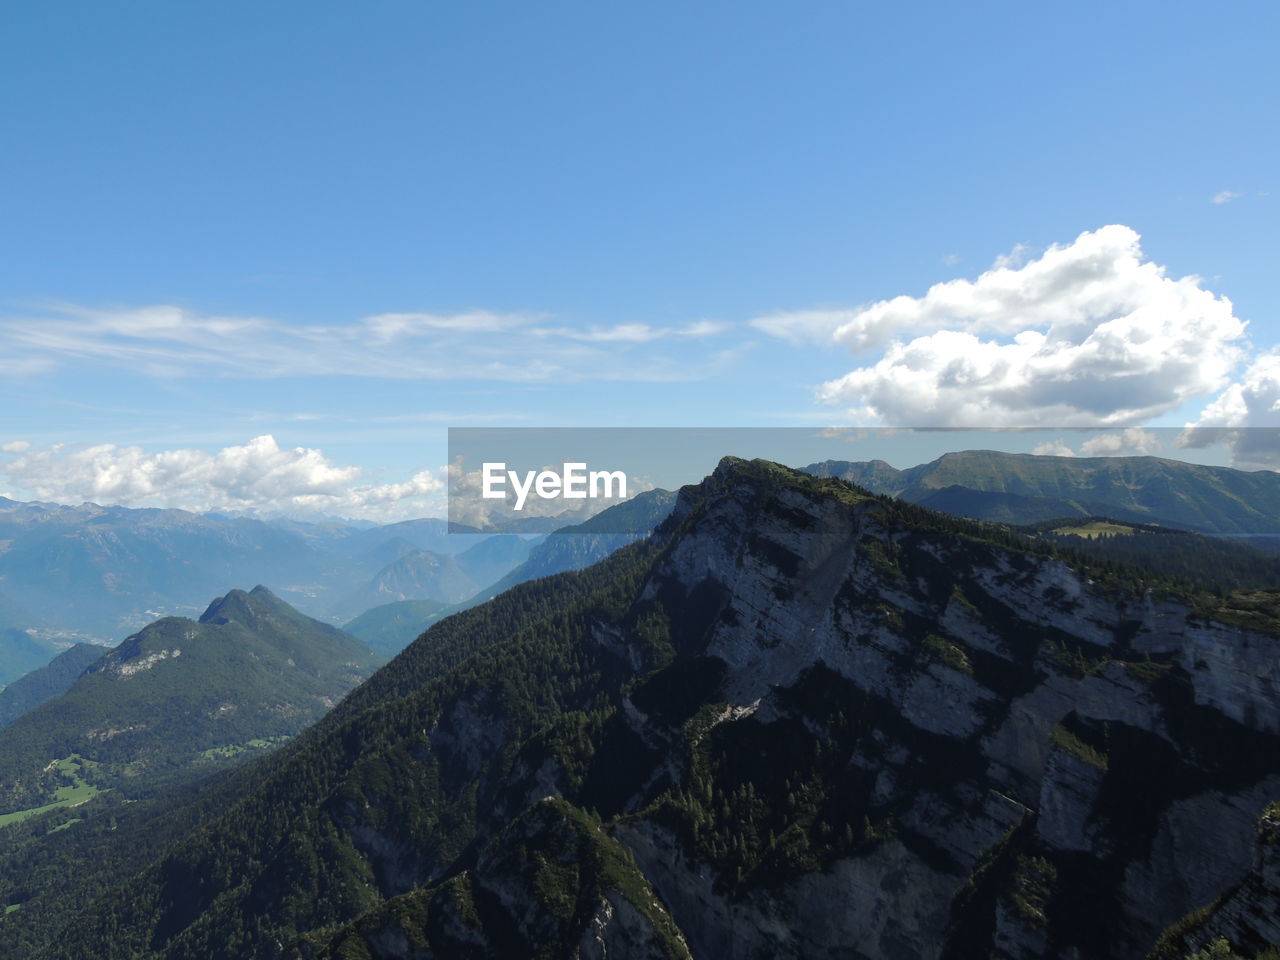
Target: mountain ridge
x=791 y=694
x=1141 y=489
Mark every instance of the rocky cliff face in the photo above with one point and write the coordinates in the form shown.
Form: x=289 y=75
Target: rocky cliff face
x=813 y=723
x=1245 y=921
x=1125 y=744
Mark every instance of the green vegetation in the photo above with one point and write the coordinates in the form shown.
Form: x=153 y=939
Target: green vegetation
x=51 y=680
x=948 y=652
x=72 y=791
x=1033 y=882
x=1023 y=488
x=1191 y=561
x=390 y=628
x=235 y=749
x=1096 y=528
x=179 y=692
x=1078 y=748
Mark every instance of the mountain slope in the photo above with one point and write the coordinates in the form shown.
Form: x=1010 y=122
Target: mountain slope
x=1140 y=489
x=21 y=652
x=389 y=628
x=580 y=545
x=179 y=693
x=815 y=720
x=47 y=682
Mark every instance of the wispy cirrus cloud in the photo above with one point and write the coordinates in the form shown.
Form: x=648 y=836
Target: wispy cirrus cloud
x=170 y=341
x=633 y=332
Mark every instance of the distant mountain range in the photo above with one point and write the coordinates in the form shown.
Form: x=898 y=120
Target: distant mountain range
x=1025 y=488
x=442 y=578
x=389 y=628
x=579 y=545
x=101 y=573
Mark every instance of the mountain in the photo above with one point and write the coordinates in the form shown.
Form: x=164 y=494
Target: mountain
x=106 y=571
x=101 y=573
x=420 y=575
x=801 y=720
x=47 y=682
x=579 y=545
x=430 y=534
x=494 y=557
x=1005 y=487
x=179 y=694
x=390 y=628
x=21 y=652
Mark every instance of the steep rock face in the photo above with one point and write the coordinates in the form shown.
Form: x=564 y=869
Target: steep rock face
x=1245 y=920
x=1250 y=916
x=552 y=883
x=1022 y=645
x=823 y=725
x=1011 y=674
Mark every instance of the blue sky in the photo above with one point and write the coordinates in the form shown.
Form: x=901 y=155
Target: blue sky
x=349 y=227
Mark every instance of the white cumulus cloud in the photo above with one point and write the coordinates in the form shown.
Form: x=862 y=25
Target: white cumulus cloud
x=259 y=476
x=1131 y=442
x=1053 y=448
x=1245 y=417
x=1087 y=334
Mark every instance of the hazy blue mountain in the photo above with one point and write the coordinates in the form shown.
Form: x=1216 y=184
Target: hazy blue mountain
x=47 y=682
x=495 y=557
x=21 y=652
x=390 y=628
x=579 y=545
x=420 y=575
x=430 y=534
x=1025 y=488
x=92 y=572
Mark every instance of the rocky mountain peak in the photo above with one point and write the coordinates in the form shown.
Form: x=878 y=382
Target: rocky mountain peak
x=246 y=608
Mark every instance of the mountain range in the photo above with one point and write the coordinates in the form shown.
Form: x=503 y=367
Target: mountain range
x=101 y=573
x=800 y=720
x=390 y=627
x=1025 y=488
